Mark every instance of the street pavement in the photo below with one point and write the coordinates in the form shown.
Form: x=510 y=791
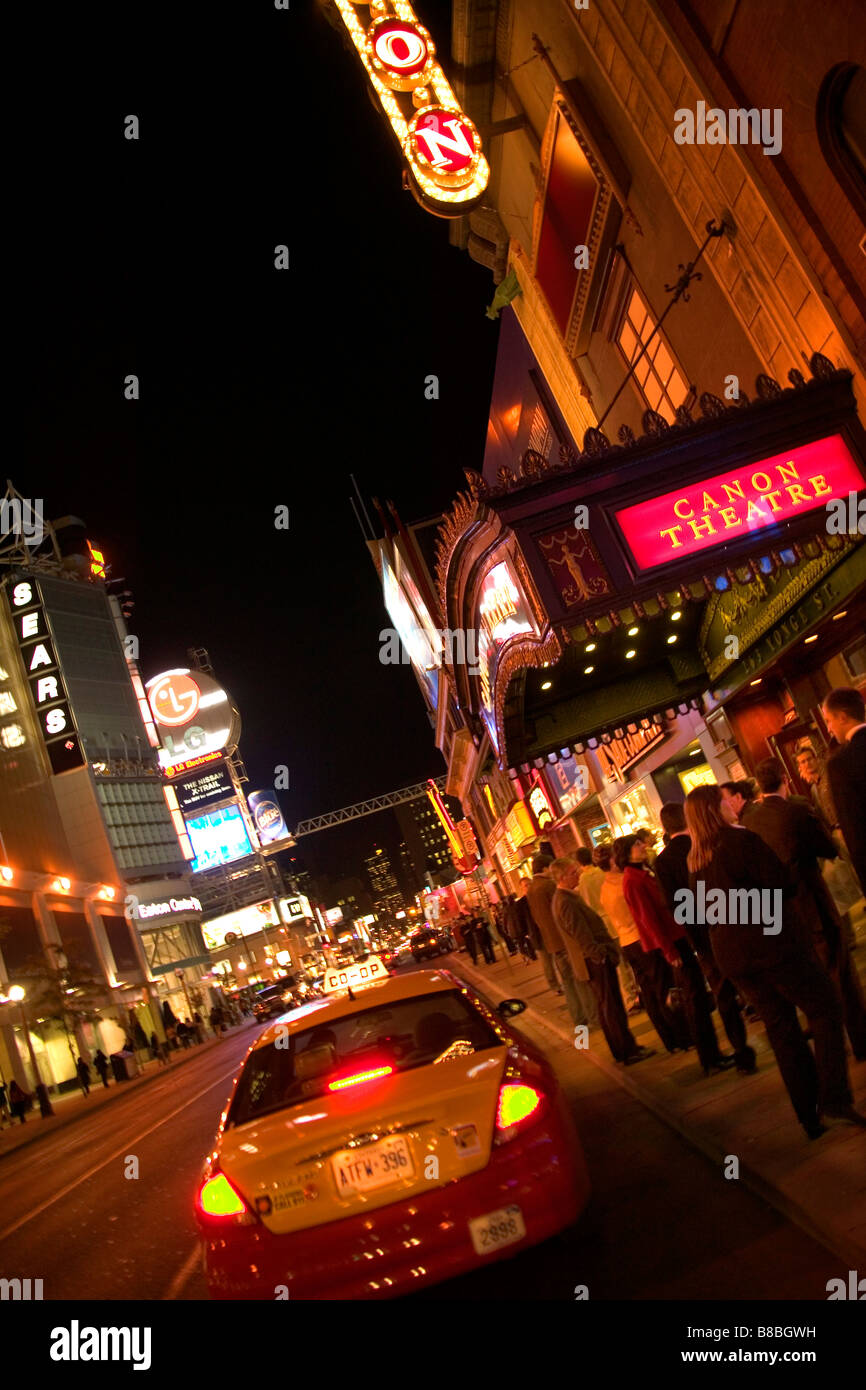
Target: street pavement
x=820 y=1184
x=74 y=1104
x=72 y=1217
x=663 y=1222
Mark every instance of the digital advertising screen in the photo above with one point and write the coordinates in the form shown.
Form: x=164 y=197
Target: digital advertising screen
x=218 y=837
x=415 y=630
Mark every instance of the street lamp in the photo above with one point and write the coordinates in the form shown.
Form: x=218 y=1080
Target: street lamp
x=16 y=996
x=182 y=977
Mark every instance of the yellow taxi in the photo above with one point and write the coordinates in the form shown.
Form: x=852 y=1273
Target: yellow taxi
x=390 y=1135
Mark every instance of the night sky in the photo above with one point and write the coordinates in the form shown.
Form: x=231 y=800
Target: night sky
x=258 y=387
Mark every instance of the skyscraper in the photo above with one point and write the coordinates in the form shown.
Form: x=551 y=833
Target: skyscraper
x=387 y=898
x=426 y=841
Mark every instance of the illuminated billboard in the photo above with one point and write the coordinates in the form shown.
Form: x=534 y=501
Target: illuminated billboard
x=503 y=613
x=414 y=627
x=294 y=909
x=195 y=719
x=218 y=837
x=195 y=792
x=267 y=817
x=47 y=689
x=244 y=921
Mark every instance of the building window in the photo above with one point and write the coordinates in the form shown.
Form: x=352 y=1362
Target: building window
x=840 y=118
x=656 y=376
x=540 y=433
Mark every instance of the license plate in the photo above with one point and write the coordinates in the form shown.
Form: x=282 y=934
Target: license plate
x=497 y=1229
x=375 y=1165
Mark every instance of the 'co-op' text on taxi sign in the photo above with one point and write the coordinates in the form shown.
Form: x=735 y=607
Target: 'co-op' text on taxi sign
x=355 y=976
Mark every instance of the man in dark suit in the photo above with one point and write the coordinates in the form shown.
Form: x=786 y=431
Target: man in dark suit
x=793 y=831
x=672 y=871
x=845 y=716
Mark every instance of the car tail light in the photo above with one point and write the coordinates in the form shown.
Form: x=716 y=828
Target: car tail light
x=372 y=1074
x=221 y=1201
x=520 y=1106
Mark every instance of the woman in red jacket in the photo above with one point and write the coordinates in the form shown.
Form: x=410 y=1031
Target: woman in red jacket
x=666 y=959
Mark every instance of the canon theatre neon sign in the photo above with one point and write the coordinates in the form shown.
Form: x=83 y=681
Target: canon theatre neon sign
x=749 y=498
x=441 y=146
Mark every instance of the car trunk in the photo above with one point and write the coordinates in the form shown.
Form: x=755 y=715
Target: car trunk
x=342 y=1153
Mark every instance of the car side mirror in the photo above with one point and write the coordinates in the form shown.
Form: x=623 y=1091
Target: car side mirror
x=509 y=1007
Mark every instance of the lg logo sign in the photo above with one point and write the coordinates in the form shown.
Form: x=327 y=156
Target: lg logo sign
x=174 y=699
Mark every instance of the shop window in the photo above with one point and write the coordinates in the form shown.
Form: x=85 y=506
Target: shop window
x=657 y=376
x=540 y=433
x=21 y=944
x=77 y=942
x=841 y=123
x=117 y=929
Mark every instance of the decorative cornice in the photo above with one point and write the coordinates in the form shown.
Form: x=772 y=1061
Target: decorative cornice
x=533 y=468
x=465 y=510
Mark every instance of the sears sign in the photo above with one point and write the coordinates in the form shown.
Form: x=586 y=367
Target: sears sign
x=42 y=669
x=267 y=817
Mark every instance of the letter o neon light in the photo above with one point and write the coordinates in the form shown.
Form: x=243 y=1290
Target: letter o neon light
x=402 y=53
x=403 y=49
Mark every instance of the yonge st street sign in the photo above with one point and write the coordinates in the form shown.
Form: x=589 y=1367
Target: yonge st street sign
x=446 y=168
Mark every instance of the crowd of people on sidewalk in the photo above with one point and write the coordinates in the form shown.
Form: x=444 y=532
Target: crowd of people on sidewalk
x=746 y=911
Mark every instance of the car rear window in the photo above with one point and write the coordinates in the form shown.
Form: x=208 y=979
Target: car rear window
x=403 y=1034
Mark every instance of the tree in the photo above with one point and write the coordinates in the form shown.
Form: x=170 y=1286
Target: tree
x=64 y=991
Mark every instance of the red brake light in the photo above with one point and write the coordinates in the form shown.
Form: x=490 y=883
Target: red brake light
x=518 y=1104
x=217 y=1197
x=372 y=1075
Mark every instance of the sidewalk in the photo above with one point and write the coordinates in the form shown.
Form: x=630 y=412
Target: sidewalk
x=820 y=1185
x=73 y=1105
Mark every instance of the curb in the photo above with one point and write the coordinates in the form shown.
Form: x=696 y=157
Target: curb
x=122 y=1088
x=848 y=1252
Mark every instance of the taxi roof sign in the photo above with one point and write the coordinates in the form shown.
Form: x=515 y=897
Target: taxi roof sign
x=355 y=976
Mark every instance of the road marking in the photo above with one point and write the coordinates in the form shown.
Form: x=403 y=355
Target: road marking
x=125 y=1149
x=184 y=1274
x=102 y=1125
